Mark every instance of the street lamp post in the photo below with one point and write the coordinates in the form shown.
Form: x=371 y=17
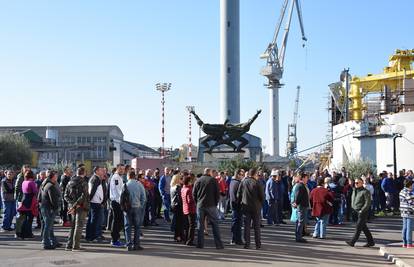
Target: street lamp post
x=394 y=138
x=190 y=145
x=163 y=87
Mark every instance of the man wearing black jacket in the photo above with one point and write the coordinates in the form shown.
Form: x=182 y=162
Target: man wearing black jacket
x=49 y=206
x=64 y=180
x=206 y=195
x=97 y=197
x=250 y=196
x=301 y=202
x=236 y=215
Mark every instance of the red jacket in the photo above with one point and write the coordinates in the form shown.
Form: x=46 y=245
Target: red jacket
x=189 y=205
x=321 y=201
x=222 y=185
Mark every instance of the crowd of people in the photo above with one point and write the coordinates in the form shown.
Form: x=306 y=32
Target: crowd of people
x=124 y=199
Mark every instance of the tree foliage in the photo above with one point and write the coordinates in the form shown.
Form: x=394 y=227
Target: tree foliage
x=239 y=163
x=14 y=150
x=359 y=167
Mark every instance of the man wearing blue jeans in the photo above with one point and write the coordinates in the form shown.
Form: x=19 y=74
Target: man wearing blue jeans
x=134 y=216
x=206 y=195
x=164 y=188
x=9 y=203
x=301 y=202
x=97 y=196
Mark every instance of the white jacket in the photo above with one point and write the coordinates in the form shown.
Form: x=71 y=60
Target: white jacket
x=115 y=187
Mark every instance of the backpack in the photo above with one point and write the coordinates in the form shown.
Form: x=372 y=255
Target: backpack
x=125 y=201
x=74 y=190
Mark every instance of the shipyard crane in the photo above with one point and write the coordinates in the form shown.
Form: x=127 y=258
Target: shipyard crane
x=292 y=141
x=273 y=71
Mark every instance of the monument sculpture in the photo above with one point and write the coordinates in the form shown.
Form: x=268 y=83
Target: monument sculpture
x=225 y=134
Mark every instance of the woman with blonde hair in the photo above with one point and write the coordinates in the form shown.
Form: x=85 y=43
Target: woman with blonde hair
x=177 y=207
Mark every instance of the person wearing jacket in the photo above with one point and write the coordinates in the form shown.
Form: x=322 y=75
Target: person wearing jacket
x=206 y=195
x=407 y=213
x=361 y=203
x=29 y=206
x=9 y=202
x=301 y=203
x=18 y=196
x=64 y=180
x=49 y=207
x=97 y=197
x=250 y=196
x=115 y=187
x=177 y=207
x=322 y=201
x=189 y=210
x=388 y=186
x=274 y=194
x=135 y=216
x=164 y=188
x=78 y=208
x=236 y=221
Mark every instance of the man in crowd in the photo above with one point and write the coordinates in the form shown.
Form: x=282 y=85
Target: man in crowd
x=250 y=196
x=49 y=206
x=115 y=186
x=164 y=188
x=158 y=199
x=274 y=195
x=206 y=195
x=361 y=202
x=9 y=202
x=64 y=180
x=150 y=212
x=388 y=186
x=301 y=202
x=134 y=216
x=77 y=197
x=236 y=221
x=97 y=196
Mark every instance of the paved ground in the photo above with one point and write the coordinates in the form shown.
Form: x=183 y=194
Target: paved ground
x=278 y=249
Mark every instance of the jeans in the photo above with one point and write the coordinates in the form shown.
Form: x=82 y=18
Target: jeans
x=300 y=223
x=26 y=228
x=236 y=224
x=222 y=207
x=166 y=200
x=133 y=219
x=9 y=212
x=75 y=234
x=94 y=224
x=250 y=217
x=272 y=210
x=189 y=230
x=320 y=226
x=150 y=211
x=407 y=231
x=362 y=226
x=211 y=214
x=265 y=210
x=48 y=235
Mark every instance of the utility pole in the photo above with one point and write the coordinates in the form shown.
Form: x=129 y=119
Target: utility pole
x=163 y=87
x=394 y=138
x=190 y=145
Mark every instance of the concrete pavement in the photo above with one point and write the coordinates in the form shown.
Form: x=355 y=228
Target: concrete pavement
x=278 y=249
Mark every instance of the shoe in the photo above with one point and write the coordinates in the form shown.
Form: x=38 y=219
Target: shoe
x=31 y=236
x=49 y=247
x=68 y=249
x=302 y=240
x=409 y=246
x=130 y=248
x=58 y=245
x=232 y=243
x=349 y=243
x=220 y=247
x=282 y=222
x=199 y=246
x=138 y=248
x=368 y=245
x=117 y=244
x=315 y=237
x=190 y=244
x=205 y=232
x=246 y=246
x=240 y=243
x=38 y=226
x=154 y=224
x=78 y=249
x=404 y=246
x=258 y=246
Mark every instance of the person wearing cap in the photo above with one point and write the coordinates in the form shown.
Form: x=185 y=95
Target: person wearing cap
x=273 y=191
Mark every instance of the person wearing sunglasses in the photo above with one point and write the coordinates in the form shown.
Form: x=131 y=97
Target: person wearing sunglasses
x=361 y=202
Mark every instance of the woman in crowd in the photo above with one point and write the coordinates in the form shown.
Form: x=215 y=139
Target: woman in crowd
x=322 y=201
x=29 y=205
x=177 y=207
x=189 y=210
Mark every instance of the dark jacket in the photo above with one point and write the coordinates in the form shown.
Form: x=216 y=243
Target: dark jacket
x=50 y=196
x=361 y=200
x=206 y=192
x=302 y=196
x=18 y=193
x=250 y=195
x=83 y=200
x=322 y=201
x=7 y=189
x=233 y=187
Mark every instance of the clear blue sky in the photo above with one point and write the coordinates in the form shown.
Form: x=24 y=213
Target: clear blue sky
x=96 y=62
